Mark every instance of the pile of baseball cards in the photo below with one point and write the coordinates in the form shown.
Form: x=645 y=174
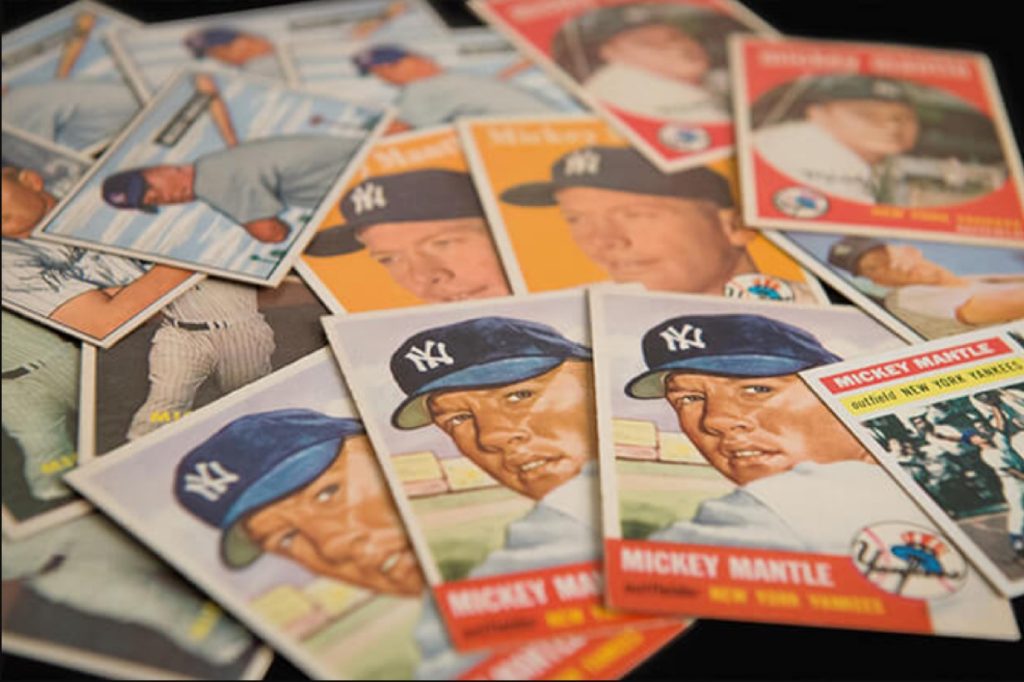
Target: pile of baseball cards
x=412 y=352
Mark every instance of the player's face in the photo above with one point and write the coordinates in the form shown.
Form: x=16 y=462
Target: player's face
x=870 y=128
x=168 y=185
x=25 y=201
x=406 y=70
x=751 y=428
x=240 y=50
x=531 y=436
x=439 y=260
x=667 y=244
x=660 y=49
x=343 y=525
x=900 y=265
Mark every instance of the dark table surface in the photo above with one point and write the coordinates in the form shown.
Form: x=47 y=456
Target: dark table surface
x=717 y=649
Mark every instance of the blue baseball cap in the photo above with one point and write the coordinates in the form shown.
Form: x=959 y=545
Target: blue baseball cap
x=365 y=60
x=254 y=461
x=725 y=345
x=201 y=41
x=127 y=189
x=478 y=353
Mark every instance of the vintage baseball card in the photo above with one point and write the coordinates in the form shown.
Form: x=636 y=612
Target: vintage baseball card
x=407 y=229
x=221 y=173
x=60 y=82
x=252 y=41
x=946 y=419
x=730 y=491
x=482 y=417
x=921 y=290
x=97 y=297
x=288 y=522
x=85 y=595
x=213 y=340
x=874 y=139
x=571 y=204
x=656 y=70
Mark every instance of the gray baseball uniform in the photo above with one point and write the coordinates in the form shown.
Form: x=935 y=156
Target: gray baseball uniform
x=442 y=98
x=77 y=114
x=266 y=65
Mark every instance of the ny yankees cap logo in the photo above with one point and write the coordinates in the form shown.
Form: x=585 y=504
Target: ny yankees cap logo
x=432 y=355
x=683 y=339
x=583 y=162
x=368 y=197
x=210 y=480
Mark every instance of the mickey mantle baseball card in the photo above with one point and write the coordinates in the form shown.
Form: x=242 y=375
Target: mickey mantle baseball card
x=481 y=414
x=220 y=173
x=946 y=419
x=656 y=70
x=60 y=82
x=571 y=204
x=875 y=140
x=730 y=491
x=288 y=522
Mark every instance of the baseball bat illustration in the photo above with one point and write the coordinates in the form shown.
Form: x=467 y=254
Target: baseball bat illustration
x=74 y=45
x=206 y=85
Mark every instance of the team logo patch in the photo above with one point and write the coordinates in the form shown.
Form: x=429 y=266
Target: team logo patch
x=432 y=355
x=908 y=560
x=368 y=197
x=583 y=162
x=761 y=287
x=210 y=480
x=800 y=202
x=683 y=339
x=684 y=138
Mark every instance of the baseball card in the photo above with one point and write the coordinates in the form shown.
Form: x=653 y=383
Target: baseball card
x=482 y=417
x=220 y=173
x=84 y=595
x=407 y=229
x=946 y=419
x=874 y=139
x=60 y=82
x=213 y=340
x=921 y=290
x=730 y=491
x=571 y=204
x=288 y=522
x=96 y=297
x=656 y=70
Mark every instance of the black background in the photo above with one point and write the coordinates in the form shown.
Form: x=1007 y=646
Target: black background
x=716 y=649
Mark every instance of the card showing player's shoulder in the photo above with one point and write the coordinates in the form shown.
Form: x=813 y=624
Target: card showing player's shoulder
x=482 y=416
x=878 y=140
x=657 y=70
x=571 y=204
x=921 y=290
x=85 y=595
x=407 y=229
x=730 y=491
x=251 y=41
x=946 y=419
x=289 y=523
x=221 y=173
x=60 y=81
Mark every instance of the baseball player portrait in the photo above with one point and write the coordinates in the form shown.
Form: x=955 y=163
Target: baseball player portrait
x=1001 y=440
x=250 y=52
x=426 y=228
x=671 y=232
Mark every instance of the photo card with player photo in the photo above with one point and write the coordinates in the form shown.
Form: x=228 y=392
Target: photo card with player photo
x=730 y=491
x=481 y=414
x=407 y=229
x=656 y=70
x=571 y=204
x=876 y=140
x=220 y=173
x=921 y=290
x=61 y=83
x=290 y=525
x=946 y=419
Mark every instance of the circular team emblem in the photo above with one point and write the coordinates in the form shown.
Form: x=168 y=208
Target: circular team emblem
x=908 y=560
x=762 y=287
x=800 y=202
x=684 y=138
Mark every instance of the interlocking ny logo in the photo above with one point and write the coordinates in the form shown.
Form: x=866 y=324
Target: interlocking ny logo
x=683 y=339
x=430 y=356
x=368 y=197
x=211 y=480
x=583 y=162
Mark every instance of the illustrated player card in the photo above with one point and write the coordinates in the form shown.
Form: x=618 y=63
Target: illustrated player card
x=872 y=139
x=220 y=173
x=921 y=290
x=571 y=203
x=406 y=229
x=657 y=70
x=481 y=414
x=730 y=491
x=278 y=497
x=946 y=419
x=84 y=595
x=60 y=82
x=97 y=297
